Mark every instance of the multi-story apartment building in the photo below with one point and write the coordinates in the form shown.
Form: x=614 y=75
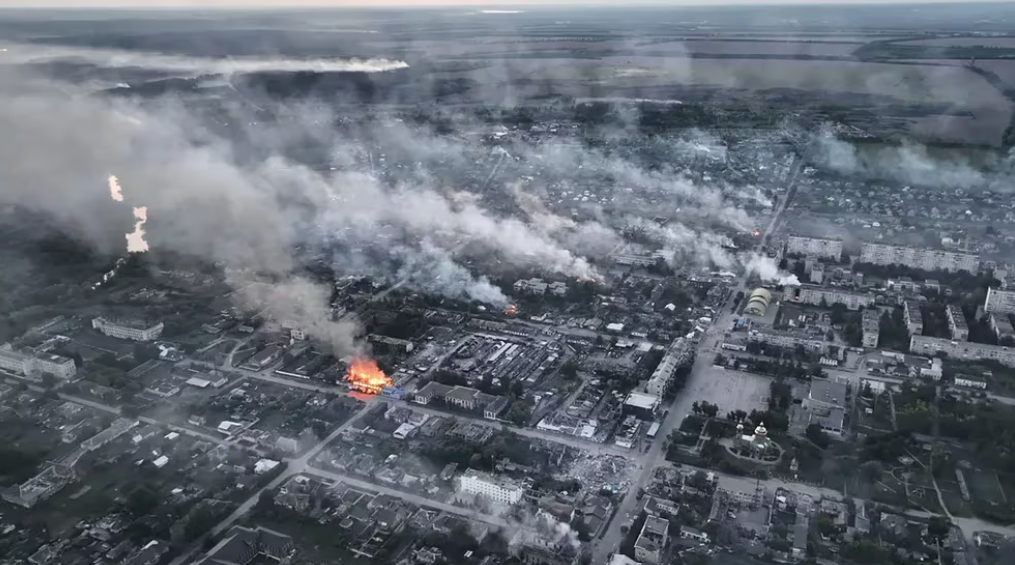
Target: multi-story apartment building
x=962 y=350
x=818 y=295
x=1001 y=325
x=919 y=258
x=652 y=539
x=497 y=489
x=913 y=317
x=128 y=329
x=815 y=247
x=957 y=323
x=30 y=365
x=871 y=327
x=679 y=353
x=789 y=339
x=1000 y=301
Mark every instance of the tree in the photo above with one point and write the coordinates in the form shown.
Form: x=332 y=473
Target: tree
x=696 y=408
x=938 y=528
x=818 y=436
x=144 y=352
x=49 y=380
x=142 y=500
x=569 y=369
x=202 y=519
x=871 y=471
x=265 y=502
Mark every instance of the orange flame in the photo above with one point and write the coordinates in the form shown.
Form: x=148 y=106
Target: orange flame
x=511 y=310
x=365 y=376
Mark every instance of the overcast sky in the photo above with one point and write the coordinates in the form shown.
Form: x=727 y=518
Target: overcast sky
x=382 y=3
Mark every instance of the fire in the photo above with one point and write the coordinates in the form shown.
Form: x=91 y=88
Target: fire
x=135 y=239
x=114 y=188
x=365 y=376
x=511 y=310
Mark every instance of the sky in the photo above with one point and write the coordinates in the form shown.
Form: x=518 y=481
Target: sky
x=423 y=3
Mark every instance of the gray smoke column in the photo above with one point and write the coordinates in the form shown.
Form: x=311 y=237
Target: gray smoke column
x=768 y=271
x=909 y=163
x=433 y=269
x=19 y=53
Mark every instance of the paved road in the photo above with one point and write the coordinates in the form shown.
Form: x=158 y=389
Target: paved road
x=610 y=541
x=295 y=467
x=410 y=497
x=573 y=441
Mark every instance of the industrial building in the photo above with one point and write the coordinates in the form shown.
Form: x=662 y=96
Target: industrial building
x=962 y=350
x=758 y=302
x=919 y=258
x=497 y=489
x=678 y=354
x=128 y=329
x=957 y=323
x=815 y=247
x=1000 y=301
x=31 y=365
x=825 y=296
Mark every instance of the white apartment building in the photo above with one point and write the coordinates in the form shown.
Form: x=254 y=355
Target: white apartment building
x=962 y=350
x=815 y=247
x=132 y=330
x=678 y=354
x=61 y=367
x=1000 y=301
x=957 y=323
x=919 y=258
x=970 y=382
x=817 y=295
x=26 y=364
x=496 y=489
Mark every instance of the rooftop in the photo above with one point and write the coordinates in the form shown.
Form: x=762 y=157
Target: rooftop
x=827 y=391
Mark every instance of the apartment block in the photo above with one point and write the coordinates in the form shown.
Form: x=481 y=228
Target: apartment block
x=128 y=329
x=919 y=258
x=913 y=317
x=957 y=323
x=999 y=301
x=815 y=247
x=962 y=350
x=871 y=328
x=495 y=488
x=819 y=295
x=679 y=353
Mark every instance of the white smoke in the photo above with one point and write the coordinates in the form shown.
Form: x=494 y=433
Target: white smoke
x=18 y=53
x=768 y=271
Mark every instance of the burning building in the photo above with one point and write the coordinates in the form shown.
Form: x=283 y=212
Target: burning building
x=365 y=376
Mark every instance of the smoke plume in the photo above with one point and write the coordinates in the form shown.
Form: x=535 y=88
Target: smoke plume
x=19 y=53
x=768 y=271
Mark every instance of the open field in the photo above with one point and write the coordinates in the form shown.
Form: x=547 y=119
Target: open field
x=1005 y=42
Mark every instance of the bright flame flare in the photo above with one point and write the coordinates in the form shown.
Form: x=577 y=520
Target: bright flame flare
x=114 y=188
x=365 y=376
x=511 y=310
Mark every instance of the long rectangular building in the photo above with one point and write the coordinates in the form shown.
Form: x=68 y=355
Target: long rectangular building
x=679 y=353
x=961 y=350
x=919 y=258
x=815 y=247
x=818 y=295
x=1000 y=301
